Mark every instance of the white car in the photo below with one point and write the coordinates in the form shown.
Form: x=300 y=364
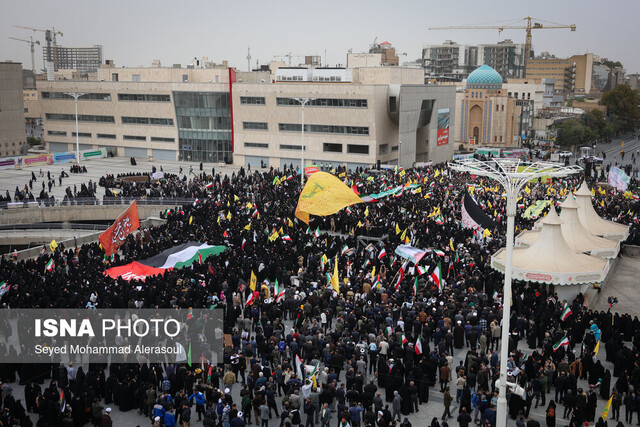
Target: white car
x=564 y=154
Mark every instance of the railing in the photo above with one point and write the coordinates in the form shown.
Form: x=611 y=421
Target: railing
x=92 y=201
x=54 y=226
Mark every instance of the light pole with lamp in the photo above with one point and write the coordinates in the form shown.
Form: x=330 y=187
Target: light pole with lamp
x=303 y=102
x=513 y=175
x=75 y=96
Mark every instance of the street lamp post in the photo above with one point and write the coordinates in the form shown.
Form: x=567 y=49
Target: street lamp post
x=303 y=102
x=75 y=96
x=513 y=175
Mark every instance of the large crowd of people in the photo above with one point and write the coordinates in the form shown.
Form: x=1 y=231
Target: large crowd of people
x=384 y=343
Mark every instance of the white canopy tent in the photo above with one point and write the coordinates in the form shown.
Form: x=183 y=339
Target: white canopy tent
x=592 y=222
x=550 y=260
x=576 y=236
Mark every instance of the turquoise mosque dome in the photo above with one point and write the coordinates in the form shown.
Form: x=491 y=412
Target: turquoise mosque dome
x=484 y=77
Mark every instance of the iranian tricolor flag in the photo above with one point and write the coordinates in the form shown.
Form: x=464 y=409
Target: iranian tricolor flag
x=279 y=292
x=437 y=277
x=388 y=331
x=415 y=287
x=563 y=342
x=249 y=300
x=565 y=313
x=418 y=347
x=439 y=220
x=344 y=250
x=439 y=252
x=286 y=238
x=209 y=185
x=382 y=253
x=49 y=266
x=404 y=339
x=244 y=242
x=403 y=268
x=421 y=270
x=316 y=233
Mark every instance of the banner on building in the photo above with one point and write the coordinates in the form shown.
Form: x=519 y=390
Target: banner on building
x=65 y=157
x=98 y=153
x=443 y=126
x=10 y=162
x=38 y=160
x=114 y=236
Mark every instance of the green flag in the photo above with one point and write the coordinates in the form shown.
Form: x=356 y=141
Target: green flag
x=189 y=356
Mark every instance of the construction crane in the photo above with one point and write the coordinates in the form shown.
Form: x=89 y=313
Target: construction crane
x=33 y=49
x=50 y=37
x=289 y=55
x=530 y=25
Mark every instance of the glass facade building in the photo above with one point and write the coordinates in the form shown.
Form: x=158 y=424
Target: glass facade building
x=204 y=126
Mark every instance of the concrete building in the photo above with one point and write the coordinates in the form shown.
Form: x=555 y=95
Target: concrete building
x=358 y=116
x=633 y=81
x=453 y=62
x=12 y=130
x=73 y=58
x=486 y=114
x=574 y=75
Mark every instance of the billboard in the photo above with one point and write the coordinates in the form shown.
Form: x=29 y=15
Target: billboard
x=309 y=169
x=98 y=153
x=37 y=160
x=64 y=157
x=443 y=127
x=10 y=162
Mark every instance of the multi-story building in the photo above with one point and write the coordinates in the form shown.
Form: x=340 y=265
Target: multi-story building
x=12 y=129
x=574 y=75
x=633 y=80
x=356 y=117
x=486 y=114
x=86 y=59
x=451 y=61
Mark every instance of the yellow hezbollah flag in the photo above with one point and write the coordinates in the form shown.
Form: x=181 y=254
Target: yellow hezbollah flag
x=606 y=408
x=366 y=211
x=253 y=281
x=398 y=229
x=451 y=244
x=335 y=281
x=323 y=195
x=373 y=272
x=597 y=349
x=404 y=234
x=53 y=245
x=289 y=222
x=190 y=220
x=247 y=227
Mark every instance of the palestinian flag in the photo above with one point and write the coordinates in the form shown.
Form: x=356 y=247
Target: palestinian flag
x=49 y=266
x=563 y=342
x=62 y=401
x=437 y=277
x=565 y=313
x=279 y=293
x=473 y=216
x=382 y=253
x=421 y=270
x=286 y=238
x=410 y=253
x=415 y=287
x=418 y=346
x=403 y=268
x=177 y=257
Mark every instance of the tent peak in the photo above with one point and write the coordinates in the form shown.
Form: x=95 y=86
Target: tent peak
x=552 y=217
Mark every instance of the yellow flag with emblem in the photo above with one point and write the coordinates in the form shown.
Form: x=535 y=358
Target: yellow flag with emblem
x=527 y=190
x=398 y=231
x=235 y=198
x=247 y=227
x=373 y=272
x=404 y=234
x=366 y=211
x=436 y=173
x=486 y=233
x=273 y=236
x=253 y=282
x=359 y=224
x=451 y=244
x=289 y=222
x=190 y=219
x=249 y=205
x=335 y=280
x=229 y=215
x=53 y=245
x=323 y=195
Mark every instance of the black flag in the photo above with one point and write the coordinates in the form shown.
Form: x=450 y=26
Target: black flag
x=473 y=216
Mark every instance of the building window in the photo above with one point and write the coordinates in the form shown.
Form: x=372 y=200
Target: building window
x=349 y=130
x=357 y=149
x=146 y=121
x=84 y=97
x=290 y=147
x=328 y=147
x=57 y=133
x=252 y=100
x=81 y=118
x=82 y=134
x=143 y=97
x=106 y=136
x=135 y=77
x=255 y=145
x=394 y=148
x=384 y=148
x=393 y=104
x=135 y=138
x=255 y=126
x=161 y=139
x=114 y=77
x=326 y=102
x=185 y=78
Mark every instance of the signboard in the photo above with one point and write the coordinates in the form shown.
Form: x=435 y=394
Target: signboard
x=472 y=140
x=9 y=162
x=309 y=169
x=443 y=127
x=95 y=154
x=37 y=160
x=64 y=157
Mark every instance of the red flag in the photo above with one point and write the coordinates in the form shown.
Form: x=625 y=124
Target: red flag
x=114 y=236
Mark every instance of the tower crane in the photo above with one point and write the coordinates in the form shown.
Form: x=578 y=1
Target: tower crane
x=50 y=37
x=33 y=49
x=530 y=25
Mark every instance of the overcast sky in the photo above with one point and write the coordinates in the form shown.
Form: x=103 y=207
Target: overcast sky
x=134 y=32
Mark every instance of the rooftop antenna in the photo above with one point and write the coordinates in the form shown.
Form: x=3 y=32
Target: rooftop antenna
x=248 y=59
